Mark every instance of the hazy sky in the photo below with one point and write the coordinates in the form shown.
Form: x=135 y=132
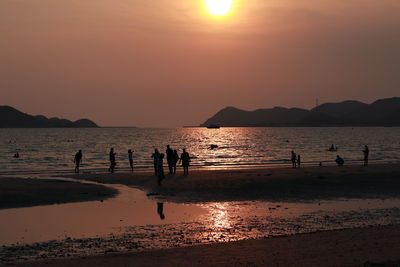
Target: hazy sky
x=170 y=63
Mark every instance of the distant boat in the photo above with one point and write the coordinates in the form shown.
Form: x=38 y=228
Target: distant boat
x=213 y=126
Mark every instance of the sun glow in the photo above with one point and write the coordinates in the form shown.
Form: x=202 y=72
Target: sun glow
x=219 y=7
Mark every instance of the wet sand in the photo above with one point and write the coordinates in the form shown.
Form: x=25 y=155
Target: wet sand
x=353 y=247
x=19 y=192
x=272 y=184
x=350 y=247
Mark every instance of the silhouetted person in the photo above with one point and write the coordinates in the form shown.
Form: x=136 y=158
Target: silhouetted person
x=339 y=160
x=16 y=155
x=155 y=157
x=185 y=159
x=112 y=160
x=366 y=155
x=160 y=168
x=130 y=158
x=78 y=160
x=298 y=161
x=160 y=210
x=175 y=158
x=293 y=158
x=170 y=158
x=332 y=148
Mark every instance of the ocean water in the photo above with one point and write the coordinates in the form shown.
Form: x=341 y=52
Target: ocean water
x=54 y=149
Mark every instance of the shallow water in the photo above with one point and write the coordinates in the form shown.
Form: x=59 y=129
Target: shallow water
x=53 y=149
x=139 y=217
x=89 y=219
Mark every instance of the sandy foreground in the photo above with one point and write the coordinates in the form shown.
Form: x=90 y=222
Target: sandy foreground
x=351 y=247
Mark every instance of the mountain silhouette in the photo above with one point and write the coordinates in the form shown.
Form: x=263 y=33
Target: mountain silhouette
x=13 y=118
x=383 y=112
x=339 y=109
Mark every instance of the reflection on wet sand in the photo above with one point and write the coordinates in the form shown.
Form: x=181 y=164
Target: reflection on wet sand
x=130 y=222
x=219 y=216
x=160 y=210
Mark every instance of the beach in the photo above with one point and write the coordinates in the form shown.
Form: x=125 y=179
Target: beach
x=274 y=184
x=375 y=242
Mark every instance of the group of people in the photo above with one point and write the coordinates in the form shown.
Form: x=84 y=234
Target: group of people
x=172 y=160
x=340 y=161
x=158 y=161
x=296 y=161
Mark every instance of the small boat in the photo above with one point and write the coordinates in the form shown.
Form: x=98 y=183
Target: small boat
x=213 y=126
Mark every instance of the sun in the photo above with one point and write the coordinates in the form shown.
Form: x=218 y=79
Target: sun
x=219 y=7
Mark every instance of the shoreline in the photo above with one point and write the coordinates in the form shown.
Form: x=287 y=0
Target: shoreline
x=149 y=168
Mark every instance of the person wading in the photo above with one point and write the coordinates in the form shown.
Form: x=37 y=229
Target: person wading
x=78 y=160
x=170 y=159
x=185 y=159
x=113 y=163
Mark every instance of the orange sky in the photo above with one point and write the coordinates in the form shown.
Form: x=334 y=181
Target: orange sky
x=168 y=63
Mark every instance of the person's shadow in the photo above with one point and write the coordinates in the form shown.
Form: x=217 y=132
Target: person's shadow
x=160 y=210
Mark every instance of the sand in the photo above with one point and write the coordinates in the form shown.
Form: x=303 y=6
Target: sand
x=272 y=184
x=18 y=192
x=351 y=247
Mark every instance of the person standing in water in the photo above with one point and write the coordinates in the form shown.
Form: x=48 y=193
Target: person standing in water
x=185 y=159
x=78 y=160
x=130 y=158
x=170 y=157
x=112 y=160
x=366 y=155
x=175 y=158
x=293 y=159
x=155 y=157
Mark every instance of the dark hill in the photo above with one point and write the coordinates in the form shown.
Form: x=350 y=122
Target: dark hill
x=339 y=109
x=383 y=112
x=380 y=110
x=276 y=116
x=13 y=118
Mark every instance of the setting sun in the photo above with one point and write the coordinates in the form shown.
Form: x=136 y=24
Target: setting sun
x=219 y=7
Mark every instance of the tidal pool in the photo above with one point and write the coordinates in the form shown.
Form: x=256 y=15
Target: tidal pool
x=133 y=221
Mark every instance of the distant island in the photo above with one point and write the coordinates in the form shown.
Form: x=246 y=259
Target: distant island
x=383 y=112
x=13 y=118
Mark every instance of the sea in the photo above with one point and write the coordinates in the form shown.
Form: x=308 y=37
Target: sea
x=48 y=150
